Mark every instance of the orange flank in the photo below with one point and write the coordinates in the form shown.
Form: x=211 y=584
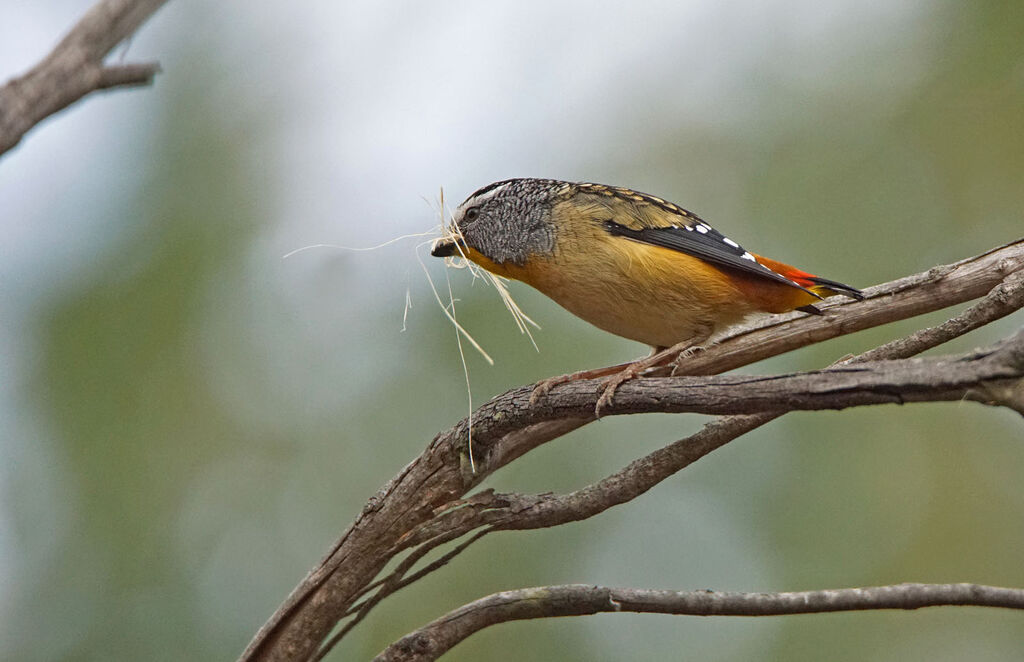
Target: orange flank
x=774 y=297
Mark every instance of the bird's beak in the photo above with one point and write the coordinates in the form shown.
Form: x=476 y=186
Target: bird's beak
x=445 y=248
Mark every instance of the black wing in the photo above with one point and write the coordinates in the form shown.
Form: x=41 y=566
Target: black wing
x=703 y=241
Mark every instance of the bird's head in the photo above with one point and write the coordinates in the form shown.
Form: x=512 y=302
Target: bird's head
x=505 y=222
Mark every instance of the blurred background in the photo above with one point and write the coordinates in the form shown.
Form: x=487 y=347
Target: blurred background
x=188 y=421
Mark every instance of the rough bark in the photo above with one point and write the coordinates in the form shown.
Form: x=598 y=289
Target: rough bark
x=426 y=505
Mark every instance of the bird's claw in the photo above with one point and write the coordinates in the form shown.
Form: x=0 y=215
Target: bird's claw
x=543 y=386
x=681 y=357
x=611 y=384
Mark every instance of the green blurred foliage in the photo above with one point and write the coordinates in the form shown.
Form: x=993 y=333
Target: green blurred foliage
x=194 y=479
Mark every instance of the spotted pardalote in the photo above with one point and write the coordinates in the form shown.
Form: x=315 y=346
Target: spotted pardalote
x=630 y=263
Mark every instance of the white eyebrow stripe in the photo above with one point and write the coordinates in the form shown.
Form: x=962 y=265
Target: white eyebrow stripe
x=480 y=199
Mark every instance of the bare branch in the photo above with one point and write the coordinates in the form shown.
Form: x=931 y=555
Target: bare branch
x=877 y=382
x=522 y=512
x=436 y=638
x=397 y=580
x=646 y=472
x=1005 y=298
x=516 y=511
x=925 y=292
x=75 y=68
x=424 y=500
x=508 y=427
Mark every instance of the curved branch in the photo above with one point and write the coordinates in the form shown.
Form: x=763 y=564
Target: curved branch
x=937 y=288
x=74 y=68
x=424 y=500
x=876 y=382
x=516 y=511
x=508 y=427
x=436 y=638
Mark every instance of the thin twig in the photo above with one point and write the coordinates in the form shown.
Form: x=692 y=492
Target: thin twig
x=1005 y=298
x=433 y=640
x=389 y=588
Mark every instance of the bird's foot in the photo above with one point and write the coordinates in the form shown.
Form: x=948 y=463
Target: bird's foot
x=673 y=356
x=630 y=371
x=617 y=375
x=542 y=387
x=612 y=383
x=680 y=358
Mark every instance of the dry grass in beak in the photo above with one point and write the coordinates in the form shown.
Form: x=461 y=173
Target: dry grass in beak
x=453 y=235
x=428 y=233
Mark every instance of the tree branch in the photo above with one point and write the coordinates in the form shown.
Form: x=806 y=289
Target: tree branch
x=506 y=427
x=74 y=68
x=876 y=382
x=516 y=511
x=937 y=288
x=646 y=472
x=424 y=503
x=436 y=638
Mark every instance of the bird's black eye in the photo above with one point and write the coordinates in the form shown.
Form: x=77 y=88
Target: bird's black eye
x=472 y=213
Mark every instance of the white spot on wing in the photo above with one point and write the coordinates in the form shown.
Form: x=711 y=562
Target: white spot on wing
x=748 y=256
x=703 y=229
x=730 y=242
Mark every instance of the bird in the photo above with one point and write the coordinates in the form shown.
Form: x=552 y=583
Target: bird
x=630 y=263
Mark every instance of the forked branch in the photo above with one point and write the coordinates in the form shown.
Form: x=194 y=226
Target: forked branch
x=425 y=504
x=75 y=68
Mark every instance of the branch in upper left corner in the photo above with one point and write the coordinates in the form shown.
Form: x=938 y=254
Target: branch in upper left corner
x=75 y=68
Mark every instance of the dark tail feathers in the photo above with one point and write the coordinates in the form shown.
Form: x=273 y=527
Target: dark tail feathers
x=832 y=287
